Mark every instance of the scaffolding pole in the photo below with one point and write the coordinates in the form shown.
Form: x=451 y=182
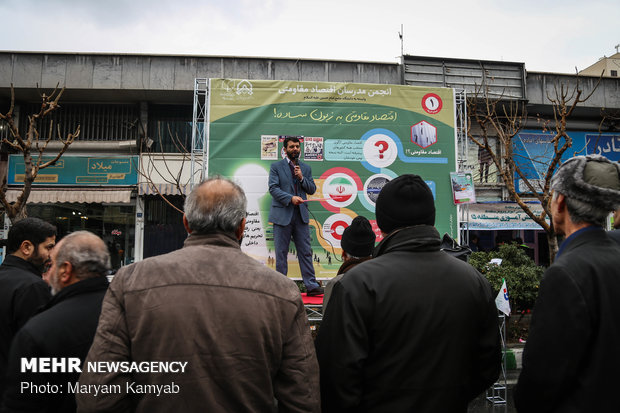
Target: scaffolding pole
x=460 y=97
x=497 y=393
x=200 y=132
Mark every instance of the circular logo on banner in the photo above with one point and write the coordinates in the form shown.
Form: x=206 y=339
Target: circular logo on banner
x=340 y=190
x=432 y=103
x=380 y=150
x=373 y=186
x=334 y=226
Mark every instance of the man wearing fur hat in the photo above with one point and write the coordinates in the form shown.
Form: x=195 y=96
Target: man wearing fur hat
x=413 y=329
x=358 y=241
x=571 y=358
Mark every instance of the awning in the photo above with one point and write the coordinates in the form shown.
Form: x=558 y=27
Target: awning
x=146 y=188
x=80 y=195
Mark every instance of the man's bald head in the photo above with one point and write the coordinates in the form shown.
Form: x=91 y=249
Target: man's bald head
x=86 y=252
x=78 y=256
x=215 y=205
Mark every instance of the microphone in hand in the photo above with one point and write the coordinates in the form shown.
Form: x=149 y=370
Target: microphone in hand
x=297 y=172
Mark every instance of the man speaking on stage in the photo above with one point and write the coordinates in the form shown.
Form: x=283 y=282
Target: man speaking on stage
x=289 y=182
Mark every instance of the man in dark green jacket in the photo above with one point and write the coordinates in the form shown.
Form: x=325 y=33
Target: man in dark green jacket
x=413 y=329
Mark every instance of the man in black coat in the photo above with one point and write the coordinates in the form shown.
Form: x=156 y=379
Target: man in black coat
x=413 y=329
x=64 y=330
x=357 y=243
x=571 y=358
x=22 y=290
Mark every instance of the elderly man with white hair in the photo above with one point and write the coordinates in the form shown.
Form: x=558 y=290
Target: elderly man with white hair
x=234 y=330
x=571 y=358
x=64 y=330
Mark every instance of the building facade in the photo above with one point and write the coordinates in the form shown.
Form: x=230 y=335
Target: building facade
x=606 y=66
x=138 y=109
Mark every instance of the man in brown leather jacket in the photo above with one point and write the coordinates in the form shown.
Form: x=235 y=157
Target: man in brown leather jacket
x=231 y=332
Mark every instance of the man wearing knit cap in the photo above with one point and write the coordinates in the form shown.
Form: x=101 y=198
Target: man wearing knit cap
x=413 y=329
x=358 y=241
x=571 y=359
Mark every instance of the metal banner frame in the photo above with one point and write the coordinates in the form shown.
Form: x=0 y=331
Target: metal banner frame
x=200 y=132
x=497 y=393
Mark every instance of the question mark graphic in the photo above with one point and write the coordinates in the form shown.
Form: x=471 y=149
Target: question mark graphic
x=384 y=146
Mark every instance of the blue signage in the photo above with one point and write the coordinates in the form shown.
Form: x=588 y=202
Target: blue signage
x=79 y=171
x=533 y=151
x=605 y=144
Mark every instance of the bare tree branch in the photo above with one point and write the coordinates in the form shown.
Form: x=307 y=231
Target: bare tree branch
x=503 y=119
x=158 y=164
x=24 y=145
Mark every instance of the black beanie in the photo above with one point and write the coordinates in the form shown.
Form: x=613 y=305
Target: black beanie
x=403 y=202
x=358 y=239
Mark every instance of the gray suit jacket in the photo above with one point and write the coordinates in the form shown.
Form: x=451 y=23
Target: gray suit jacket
x=282 y=189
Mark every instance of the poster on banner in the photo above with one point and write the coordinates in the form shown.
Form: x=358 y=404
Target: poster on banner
x=269 y=147
x=463 y=190
x=355 y=137
x=313 y=149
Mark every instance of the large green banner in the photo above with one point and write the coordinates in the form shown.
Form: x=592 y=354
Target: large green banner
x=356 y=137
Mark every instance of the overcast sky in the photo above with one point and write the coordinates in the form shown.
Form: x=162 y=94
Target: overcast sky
x=550 y=36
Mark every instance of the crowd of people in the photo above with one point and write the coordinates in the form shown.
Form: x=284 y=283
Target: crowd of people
x=406 y=326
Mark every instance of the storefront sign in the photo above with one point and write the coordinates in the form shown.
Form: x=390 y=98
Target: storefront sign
x=79 y=170
x=502 y=216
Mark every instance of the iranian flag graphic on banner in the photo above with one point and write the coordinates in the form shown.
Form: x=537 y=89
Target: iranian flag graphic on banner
x=340 y=190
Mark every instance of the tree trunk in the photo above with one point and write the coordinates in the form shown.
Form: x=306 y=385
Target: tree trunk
x=553 y=245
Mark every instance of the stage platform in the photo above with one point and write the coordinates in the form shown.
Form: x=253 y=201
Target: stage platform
x=314 y=307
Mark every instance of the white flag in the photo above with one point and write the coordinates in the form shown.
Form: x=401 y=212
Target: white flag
x=501 y=301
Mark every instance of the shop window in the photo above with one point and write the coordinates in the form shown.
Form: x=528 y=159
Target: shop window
x=163 y=226
x=119 y=122
x=529 y=236
x=115 y=224
x=4 y=128
x=543 y=249
x=170 y=128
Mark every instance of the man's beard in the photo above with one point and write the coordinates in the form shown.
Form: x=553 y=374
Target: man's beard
x=54 y=282
x=38 y=261
x=292 y=155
